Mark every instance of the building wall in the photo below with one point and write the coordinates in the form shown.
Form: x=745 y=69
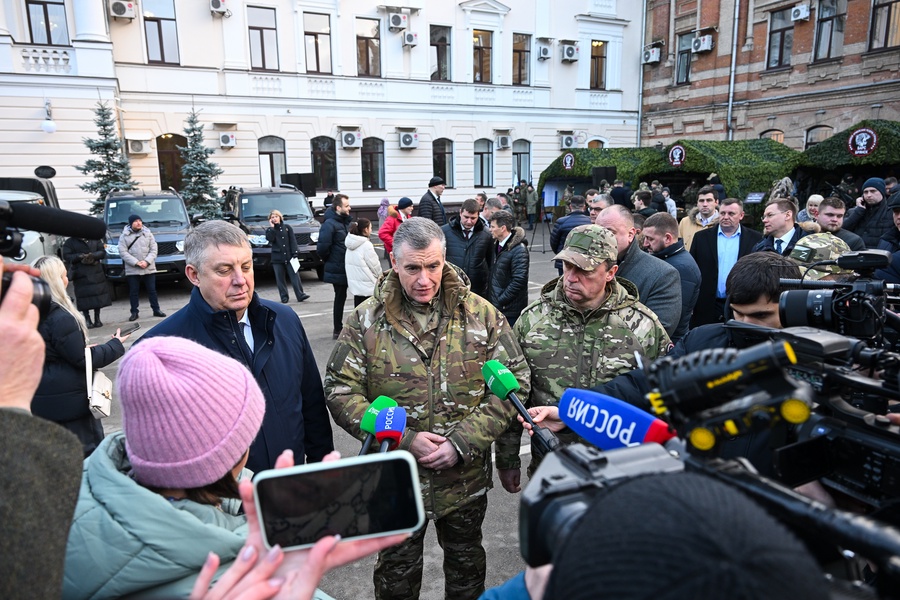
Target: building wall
x=857 y=84
x=107 y=59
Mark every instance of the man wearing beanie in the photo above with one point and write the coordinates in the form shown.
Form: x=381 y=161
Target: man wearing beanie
x=872 y=217
x=137 y=247
x=430 y=206
x=157 y=497
x=225 y=314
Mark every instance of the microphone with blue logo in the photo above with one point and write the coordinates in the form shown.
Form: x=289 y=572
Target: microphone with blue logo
x=367 y=423
x=389 y=426
x=609 y=423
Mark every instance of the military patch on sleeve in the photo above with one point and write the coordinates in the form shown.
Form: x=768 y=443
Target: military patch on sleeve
x=339 y=356
x=508 y=340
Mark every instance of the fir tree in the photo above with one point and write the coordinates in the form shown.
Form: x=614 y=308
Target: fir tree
x=111 y=170
x=198 y=173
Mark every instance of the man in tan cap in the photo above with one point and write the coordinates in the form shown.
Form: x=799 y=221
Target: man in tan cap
x=820 y=247
x=586 y=328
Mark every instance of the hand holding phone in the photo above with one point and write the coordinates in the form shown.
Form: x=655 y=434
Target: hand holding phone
x=129 y=329
x=357 y=498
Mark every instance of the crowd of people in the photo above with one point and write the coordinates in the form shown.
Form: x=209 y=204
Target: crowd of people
x=159 y=512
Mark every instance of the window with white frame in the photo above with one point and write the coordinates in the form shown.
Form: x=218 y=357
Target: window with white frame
x=598 y=64
x=781 y=39
x=885 y=29
x=484 y=164
x=683 y=59
x=521 y=161
x=263 y=38
x=368 y=47
x=521 y=59
x=440 y=53
x=372 y=158
x=481 y=56
x=324 y=162
x=272 y=160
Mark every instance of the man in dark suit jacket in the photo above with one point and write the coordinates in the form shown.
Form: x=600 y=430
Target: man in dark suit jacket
x=736 y=241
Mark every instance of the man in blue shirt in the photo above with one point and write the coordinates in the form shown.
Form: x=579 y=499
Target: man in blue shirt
x=716 y=250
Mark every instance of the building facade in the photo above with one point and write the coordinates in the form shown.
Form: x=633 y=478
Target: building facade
x=373 y=99
x=794 y=72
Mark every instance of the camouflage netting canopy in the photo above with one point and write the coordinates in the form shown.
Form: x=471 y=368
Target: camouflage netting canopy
x=834 y=153
x=744 y=166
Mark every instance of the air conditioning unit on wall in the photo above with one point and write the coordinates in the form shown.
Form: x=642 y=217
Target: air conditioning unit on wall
x=651 y=56
x=567 y=142
x=800 y=12
x=121 y=9
x=503 y=142
x=410 y=39
x=409 y=139
x=217 y=7
x=351 y=139
x=702 y=43
x=544 y=51
x=568 y=52
x=397 y=21
x=138 y=146
x=227 y=140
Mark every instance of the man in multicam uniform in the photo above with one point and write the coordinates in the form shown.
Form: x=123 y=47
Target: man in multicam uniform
x=422 y=340
x=584 y=330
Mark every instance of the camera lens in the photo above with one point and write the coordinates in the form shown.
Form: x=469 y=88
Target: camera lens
x=41 y=297
x=799 y=308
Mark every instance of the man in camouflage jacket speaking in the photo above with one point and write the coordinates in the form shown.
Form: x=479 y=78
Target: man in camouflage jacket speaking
x=422 y=339
x=583 y=330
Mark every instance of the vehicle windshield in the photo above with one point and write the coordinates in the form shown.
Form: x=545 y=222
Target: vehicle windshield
x=293 y=205
x=152 y=211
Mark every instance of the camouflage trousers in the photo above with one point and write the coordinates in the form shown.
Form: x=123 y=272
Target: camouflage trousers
x=398 y=571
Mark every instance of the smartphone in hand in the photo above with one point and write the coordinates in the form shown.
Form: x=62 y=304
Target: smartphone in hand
x=129 y=329
x=360 y=497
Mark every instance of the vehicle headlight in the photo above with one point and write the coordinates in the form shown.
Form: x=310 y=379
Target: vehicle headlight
x=314 y=236
x=111 y=249
x=179 y=245
x=258 y=240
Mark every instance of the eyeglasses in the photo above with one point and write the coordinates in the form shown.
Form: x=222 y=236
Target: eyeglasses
x=772 y=215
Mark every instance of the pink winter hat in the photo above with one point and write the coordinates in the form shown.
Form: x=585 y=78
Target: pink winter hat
x=189 y=413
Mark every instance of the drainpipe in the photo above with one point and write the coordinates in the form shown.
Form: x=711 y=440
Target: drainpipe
x=734 y=45
x=637 y=141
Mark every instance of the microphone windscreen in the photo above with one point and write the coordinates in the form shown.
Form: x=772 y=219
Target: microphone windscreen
x=499 y=379
x=367 y=423
x=608 y=422
x=45 y=219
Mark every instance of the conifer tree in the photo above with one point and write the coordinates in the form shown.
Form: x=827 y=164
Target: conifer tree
x=111 y=171
x=198 y=173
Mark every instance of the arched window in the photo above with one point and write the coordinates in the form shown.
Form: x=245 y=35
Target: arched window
x=816 y=135
x=272 y=161
x=521 y=161
x=170 y=161
x=442 y=155
x=596 y=144
x=484 y=163
x=324 y=162
x=372 y=164
x=773 y=134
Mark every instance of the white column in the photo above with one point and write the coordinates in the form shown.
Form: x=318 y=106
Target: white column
x=90 y=21
x=4 y=29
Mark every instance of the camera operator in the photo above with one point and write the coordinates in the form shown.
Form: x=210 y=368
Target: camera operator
x=699 y=537
x=41 y=461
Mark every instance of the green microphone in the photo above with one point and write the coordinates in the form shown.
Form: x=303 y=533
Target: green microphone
x=504 y=385
x=367 y=423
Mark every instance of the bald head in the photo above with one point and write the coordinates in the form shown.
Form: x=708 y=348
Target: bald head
x=620 y=221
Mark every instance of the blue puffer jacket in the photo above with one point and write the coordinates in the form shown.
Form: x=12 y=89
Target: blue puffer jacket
x=283 y=365
x=128 y=540
x=331 y=248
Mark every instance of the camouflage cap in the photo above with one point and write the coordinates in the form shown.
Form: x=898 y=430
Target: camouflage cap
x=588 y=246
x=816 y=247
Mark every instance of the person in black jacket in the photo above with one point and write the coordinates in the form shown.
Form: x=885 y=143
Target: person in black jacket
x=780 y=228
x=284 y=248
x=577 y=216
x=62 y=394
x=331 y=249
x=227 y=315
x=871 y=218
x=509 y=272
x=470 y=246
x=430 y=206
x=91 y=290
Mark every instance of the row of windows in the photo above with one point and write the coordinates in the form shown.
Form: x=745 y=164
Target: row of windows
x=831 y=17
x=323 y=151
x=47 y=22
x=814 y=135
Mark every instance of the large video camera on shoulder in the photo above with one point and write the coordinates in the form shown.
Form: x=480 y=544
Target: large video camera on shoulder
x=795 y=380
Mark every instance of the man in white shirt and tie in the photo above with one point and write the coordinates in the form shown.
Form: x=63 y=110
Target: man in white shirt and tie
x=779 y=228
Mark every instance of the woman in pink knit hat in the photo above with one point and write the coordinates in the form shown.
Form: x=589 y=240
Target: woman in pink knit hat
x=160 y=498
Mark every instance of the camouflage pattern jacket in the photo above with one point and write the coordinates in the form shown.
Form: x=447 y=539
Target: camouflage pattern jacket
x=567 y=348
x=378 y=353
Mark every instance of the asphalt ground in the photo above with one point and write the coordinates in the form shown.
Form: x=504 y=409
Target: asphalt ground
x=501 y=538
